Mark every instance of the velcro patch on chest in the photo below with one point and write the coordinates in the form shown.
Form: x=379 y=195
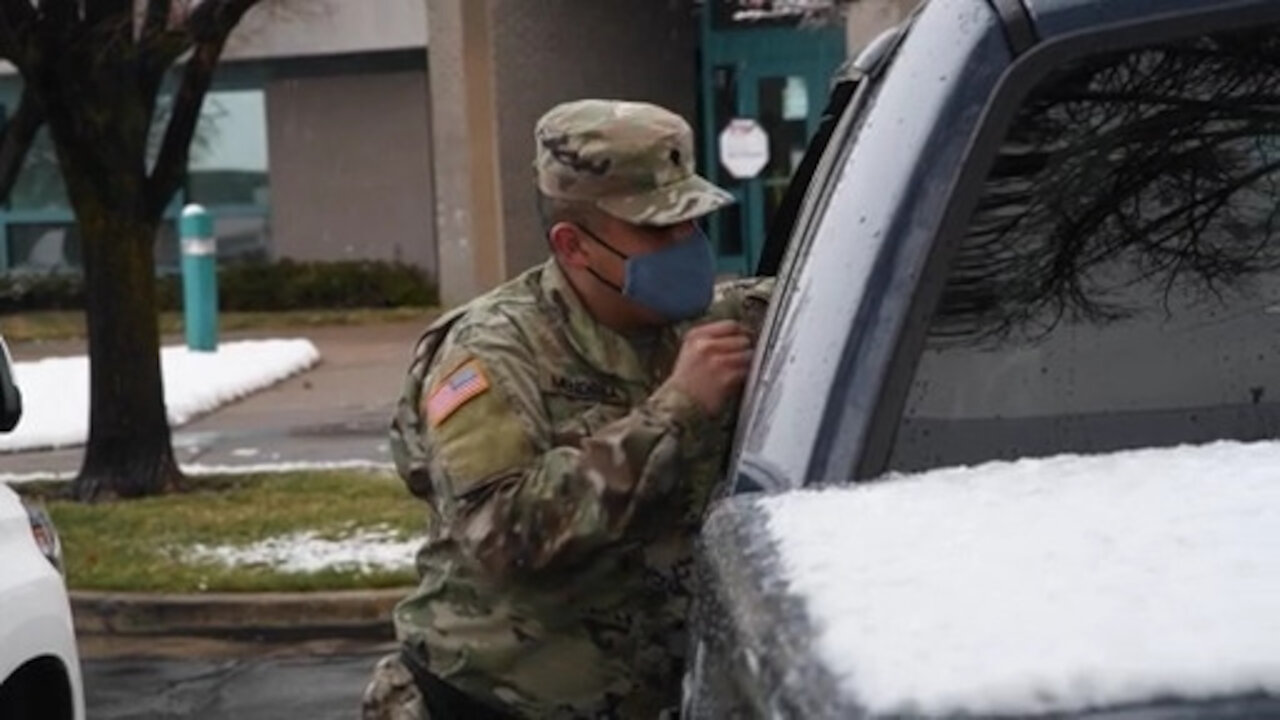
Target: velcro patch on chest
x=451 y=393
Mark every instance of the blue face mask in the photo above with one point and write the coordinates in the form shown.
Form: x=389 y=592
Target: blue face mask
x=676 y=282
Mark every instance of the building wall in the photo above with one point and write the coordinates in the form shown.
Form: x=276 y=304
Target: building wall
x=351 y=168
x=297 y=28
x=556 y=50
x=496 y=66
x=461 y=75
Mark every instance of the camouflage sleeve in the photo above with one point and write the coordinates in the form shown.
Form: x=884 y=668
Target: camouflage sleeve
x=518 y=502
x=745 y=300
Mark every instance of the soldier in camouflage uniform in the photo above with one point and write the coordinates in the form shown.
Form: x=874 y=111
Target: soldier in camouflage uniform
x=566 y=430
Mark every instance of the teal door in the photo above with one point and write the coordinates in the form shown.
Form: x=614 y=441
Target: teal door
x=776 y=73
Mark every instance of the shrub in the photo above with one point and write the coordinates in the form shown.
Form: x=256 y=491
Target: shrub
x=289 y=285
x=55 y=291
x=254 y=286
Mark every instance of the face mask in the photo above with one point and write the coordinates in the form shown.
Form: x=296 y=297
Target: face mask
x=676 y=282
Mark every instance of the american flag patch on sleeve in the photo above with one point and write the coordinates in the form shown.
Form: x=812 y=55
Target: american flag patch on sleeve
x=454 y=391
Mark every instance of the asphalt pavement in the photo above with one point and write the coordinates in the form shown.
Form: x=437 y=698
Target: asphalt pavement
x=270 y=685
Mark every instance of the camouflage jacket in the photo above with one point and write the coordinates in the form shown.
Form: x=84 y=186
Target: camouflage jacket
x=565 y=491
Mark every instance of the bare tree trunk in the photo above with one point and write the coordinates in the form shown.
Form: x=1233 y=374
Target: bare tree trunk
x=92 y=73
x=129 y=452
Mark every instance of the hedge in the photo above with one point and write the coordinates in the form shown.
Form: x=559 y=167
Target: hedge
x=258 y=286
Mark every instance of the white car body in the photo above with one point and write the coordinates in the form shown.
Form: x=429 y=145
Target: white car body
x=39 y=664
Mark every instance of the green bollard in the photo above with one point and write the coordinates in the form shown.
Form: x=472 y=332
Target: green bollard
x=199 y=278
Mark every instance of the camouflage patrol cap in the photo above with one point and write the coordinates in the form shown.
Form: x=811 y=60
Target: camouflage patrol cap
x=632 y=160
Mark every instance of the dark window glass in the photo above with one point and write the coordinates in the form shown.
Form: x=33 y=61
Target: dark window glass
x=725 y=109
x=39 y=186
x=44 y=247
x=784 y=114
x=229 y=158
x=731 y=233
x=1119 y=283
x=55 y=247
x=727 y=223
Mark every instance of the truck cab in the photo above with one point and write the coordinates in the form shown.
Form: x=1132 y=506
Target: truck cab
x=1025 y=347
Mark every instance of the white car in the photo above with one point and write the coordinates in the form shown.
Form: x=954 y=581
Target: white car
x=39 y=664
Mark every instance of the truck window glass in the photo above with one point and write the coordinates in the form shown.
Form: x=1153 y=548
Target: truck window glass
x=1118 y=285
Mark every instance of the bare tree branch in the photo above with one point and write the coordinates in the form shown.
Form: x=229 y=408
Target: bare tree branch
x=210 y=21
x=1083 y=204
x=106 y=12
x=162 y=50
x=213 y=20
x=18 y=135
x=16 y=20
x=155 y=20
x=175 y=149
x=59 y=16
x=209 y=25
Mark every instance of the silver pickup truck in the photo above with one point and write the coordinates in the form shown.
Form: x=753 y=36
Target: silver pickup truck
x=1010 y=445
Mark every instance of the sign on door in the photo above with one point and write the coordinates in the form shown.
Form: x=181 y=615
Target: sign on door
x=744 y=148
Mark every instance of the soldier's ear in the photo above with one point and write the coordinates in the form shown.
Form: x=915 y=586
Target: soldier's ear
x=567 y=243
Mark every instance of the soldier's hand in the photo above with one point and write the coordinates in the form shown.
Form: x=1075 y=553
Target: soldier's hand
x=713 y=364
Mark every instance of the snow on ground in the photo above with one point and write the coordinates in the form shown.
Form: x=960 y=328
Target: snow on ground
x=55 y=391
x=307 y=552
x=196 y=469
x=1045 y=585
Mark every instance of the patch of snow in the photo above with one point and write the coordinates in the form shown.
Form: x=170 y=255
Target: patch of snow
x=55 y=391
x=308 y=552
x=196 y=469
x=1046 y=585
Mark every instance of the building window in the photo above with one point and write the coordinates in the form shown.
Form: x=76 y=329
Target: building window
x=229 y=171
x=229 y=153
x=228 y=174
x=39 y=187
x=43 y=247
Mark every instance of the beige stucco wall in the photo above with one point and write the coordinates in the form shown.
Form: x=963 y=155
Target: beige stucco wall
x=351 y=168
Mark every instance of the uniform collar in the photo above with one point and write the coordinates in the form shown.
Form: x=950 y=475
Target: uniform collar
x=604 y=349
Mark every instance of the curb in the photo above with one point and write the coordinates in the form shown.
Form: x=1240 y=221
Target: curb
x=270 y=617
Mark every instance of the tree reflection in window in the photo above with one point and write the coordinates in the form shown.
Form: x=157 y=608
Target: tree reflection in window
x=1154 y=167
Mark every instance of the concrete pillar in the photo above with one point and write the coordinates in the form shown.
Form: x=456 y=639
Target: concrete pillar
x=550 y=51
x=496 y=66
x=463 y=108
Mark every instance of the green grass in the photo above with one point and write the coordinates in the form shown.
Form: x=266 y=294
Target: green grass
x=139 y=545
x=64 y=325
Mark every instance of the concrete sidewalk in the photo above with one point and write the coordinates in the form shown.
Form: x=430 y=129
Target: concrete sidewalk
x=337 y=411
x=161 y=624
